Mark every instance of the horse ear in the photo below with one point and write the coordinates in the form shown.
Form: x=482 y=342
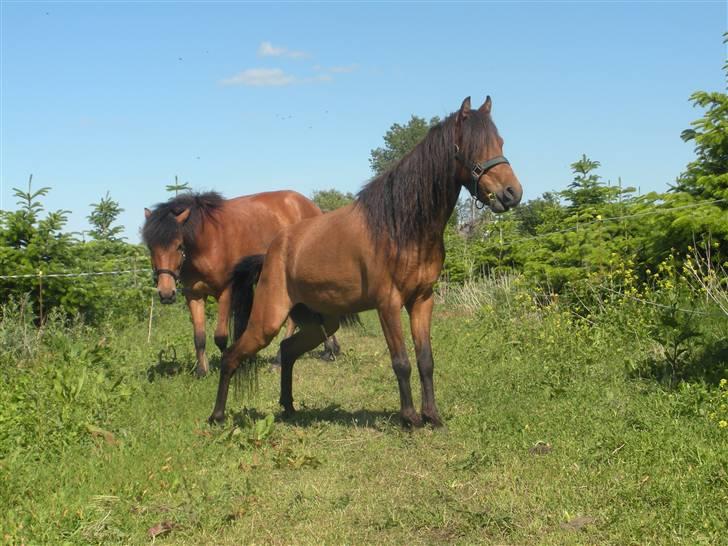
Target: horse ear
x=182 y=216
x=147 y=213
x=464 y=111
x=486 y=105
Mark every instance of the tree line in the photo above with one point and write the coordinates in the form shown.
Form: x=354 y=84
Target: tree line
x=591 y=230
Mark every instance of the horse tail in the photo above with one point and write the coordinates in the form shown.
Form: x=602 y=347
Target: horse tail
x=245 y=276
x=350 y=320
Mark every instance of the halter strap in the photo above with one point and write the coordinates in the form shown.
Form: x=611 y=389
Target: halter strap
x=478 y=169
x=173 y=274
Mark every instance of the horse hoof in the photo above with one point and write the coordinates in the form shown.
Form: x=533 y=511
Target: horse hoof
x=216 y=419
x=433 y=420
x=411 y=420
x=200 y=373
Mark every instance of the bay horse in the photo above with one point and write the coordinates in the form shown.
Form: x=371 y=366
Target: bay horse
x=197 y=238
x=385 y=251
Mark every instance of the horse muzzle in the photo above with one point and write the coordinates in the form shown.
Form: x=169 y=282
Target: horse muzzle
x=168 y=298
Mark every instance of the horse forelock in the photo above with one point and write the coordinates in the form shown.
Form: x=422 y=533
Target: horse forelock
x=161 y=229
x=406 y=201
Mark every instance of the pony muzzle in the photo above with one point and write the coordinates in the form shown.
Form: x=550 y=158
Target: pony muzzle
x=167 y=297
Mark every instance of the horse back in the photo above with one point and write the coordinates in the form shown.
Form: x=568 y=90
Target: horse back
x=244 y=226
x=332 y=264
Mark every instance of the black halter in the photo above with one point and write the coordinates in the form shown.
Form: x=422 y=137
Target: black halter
x=477 y=170
x=157 y=272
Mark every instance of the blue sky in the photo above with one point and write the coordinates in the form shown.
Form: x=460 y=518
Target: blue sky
x=243 y=98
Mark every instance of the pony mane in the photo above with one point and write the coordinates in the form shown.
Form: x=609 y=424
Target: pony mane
x=413 y=198
x=162 y=228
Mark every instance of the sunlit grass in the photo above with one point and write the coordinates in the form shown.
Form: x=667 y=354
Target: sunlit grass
x=550 y=440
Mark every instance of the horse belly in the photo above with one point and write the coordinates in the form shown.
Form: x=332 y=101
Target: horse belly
x=326 y=269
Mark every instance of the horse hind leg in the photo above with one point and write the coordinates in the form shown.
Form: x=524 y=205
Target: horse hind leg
x=290 y=328
x=313 y=329
x=261 y=330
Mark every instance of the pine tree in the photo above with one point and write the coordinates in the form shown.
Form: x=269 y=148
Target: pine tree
x=103 y=215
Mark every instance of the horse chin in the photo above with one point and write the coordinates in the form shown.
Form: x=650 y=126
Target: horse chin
x=496 y=205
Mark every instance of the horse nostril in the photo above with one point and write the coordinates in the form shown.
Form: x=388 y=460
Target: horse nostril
x=510 y=192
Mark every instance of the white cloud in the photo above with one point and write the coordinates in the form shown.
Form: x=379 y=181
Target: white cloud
x=267 y=49
x=260 y=77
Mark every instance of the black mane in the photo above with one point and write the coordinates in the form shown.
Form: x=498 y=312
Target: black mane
x=413 y=198
x=161 y=228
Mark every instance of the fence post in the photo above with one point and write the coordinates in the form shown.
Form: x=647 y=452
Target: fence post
x=40 y=296
x=151 y=310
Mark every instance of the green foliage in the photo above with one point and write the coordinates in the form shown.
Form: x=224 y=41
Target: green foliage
x=55 y=383
x=398 y=141
x=34 y=250
x=328 y=200
x=250 y=432
x=705 y=177
x=535 y=398
x=586 y=189
x=178 y=186
x=103 y=215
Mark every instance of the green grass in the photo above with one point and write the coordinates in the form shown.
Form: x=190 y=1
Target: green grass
x=552 y=438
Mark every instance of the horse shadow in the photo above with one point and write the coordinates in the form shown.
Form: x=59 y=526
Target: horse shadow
x=335 y=414
x=167 y=365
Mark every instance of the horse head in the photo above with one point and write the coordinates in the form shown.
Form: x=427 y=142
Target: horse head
x=482 y=168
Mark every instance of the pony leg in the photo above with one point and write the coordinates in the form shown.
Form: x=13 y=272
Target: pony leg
x=331 y=349
x=392 y=328
x=420 y=313
x=265 y=322
x=197 y=310
x=223 y=317
x=313 y=330
x=290 y=327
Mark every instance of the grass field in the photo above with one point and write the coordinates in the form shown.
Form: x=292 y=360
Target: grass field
x=552 y=438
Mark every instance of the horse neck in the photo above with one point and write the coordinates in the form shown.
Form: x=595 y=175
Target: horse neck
x=453 y=193
x=198 y=252
x=438 y=226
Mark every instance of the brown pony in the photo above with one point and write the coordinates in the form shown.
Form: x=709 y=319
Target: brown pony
x=198 y=238
x=385 y=251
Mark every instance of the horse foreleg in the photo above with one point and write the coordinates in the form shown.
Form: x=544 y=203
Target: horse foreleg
x=420 y=313
x=223 y=317
x=197 y=310
x=392 y=328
